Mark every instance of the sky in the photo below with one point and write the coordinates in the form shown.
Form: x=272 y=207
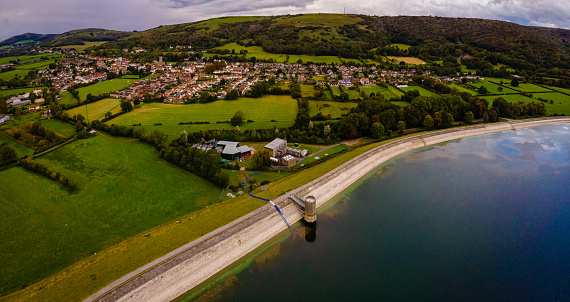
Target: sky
x=58 y=16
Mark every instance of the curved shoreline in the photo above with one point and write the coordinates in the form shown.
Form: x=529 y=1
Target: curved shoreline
x=188 y=266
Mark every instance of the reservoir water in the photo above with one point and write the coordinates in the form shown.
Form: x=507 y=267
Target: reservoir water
x=480 y=219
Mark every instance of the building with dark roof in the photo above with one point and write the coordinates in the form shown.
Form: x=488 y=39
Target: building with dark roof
x=232 y=150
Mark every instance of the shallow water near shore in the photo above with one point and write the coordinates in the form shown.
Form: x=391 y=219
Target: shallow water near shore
x=485 y=218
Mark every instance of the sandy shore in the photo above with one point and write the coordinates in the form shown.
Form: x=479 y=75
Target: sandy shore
x=187 y=267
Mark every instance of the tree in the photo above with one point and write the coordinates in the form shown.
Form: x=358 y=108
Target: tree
x=184 y=136
x=238 y=118
x=428 y=122
x=108 y=114
x=376 y=130
x=232 y=95
x=7 y=155
x=483 y=90
x=327 y=130
x=469 y=117
x=446 y=119
x=500 y=89
x=18 y=112
x=515 y=82
x=136 y=102
x=311 y=125
x=126 y=106
x=261 y=159
x=401 y=126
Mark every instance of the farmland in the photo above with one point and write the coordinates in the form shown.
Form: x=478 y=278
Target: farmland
x=23 y=59
x=104 y=87
x=493 y=88
x=36 y=65
x=59 y=126
x=19 y=90
x=96 y=110
x=407 y=60
x=69 y=226
x=282 y=109
x=307 y=91
x=423 y=91
x=335 y=109
x=81 y=48
x=259 y=53
x=11 y=74
x=21 y=150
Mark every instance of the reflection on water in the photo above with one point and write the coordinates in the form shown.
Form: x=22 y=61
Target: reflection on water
x=480 y=219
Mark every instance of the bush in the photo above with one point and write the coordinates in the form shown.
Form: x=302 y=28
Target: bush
x=264 y=182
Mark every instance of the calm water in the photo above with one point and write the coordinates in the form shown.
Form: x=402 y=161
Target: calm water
x=480 y=219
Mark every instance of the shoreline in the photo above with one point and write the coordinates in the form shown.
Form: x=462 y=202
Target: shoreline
x=188 y=266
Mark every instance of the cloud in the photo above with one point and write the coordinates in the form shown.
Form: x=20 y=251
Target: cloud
x=57 y=16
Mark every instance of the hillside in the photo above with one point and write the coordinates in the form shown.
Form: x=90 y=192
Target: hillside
x=74 y=37
x=359 y=36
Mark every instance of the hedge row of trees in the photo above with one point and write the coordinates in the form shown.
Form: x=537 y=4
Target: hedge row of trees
x=39 y=168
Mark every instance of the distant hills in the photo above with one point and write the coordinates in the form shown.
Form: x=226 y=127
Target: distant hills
x=348 y=36
x=74 y=37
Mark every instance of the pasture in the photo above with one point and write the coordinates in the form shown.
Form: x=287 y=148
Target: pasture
x=527 y=87
x=36 y=65
x=59 y=126
x=122 y=190
x=17 y=91
x=8 y=75
x=492 y=88
x=87 y=44
x=96 y=110
x=259 y=53
x=282 y=109
x=66 y=98
x=334 y=109
x=407 y=60
x=21 y=150
x=23 y=59
x=463 y=89
x=307 y=91
x=386 y=92
x=423 y=91
x=400 y=46
x=104 y=87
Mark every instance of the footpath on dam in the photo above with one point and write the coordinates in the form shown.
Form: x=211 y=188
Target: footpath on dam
x=188 y=266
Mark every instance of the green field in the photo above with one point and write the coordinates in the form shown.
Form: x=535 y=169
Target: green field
x=81 y=48
x=386 y=92
x=66 y=98
x=561 y=103
x=321 y=155
x=531 y=88
x=423 y=91
x=400 y=103
x=21 y=150
x=97 y=110
x=24 y=59
x=335 y=91
x=36 y=65
x=335 y=109
x=122 y=190
x=463 y=89
x=104 y=87
x=16 y=91
x=407 y=60
x=307 y=91
x=259 y=53
x=282 y=109
x=493 y=88
x=563 y=90
x=400 y=46
x=6 y=76
x=59 y=126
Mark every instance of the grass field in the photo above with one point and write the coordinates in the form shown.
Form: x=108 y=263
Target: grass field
x=259 y=53
x=335 y=91
x=335 y=109
x=97 y=110
x=563 y=90
x=16 y=91
x=104 y=87
x=66 y=97
x=24 y=59
x=36 y=65
x=283 y=109
x=463 y=89
x=561 y=103
x=400 y=46
x=423 y=91
x=386 y=92
x=6 y=76
x=531 y=88
x=122 y=190
x=493 y=88
x=59 y=126
x=407 y=60
x=400 y=103
x=81 y=48
x=21 y=150
x=307 y=90
x=321 y=155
